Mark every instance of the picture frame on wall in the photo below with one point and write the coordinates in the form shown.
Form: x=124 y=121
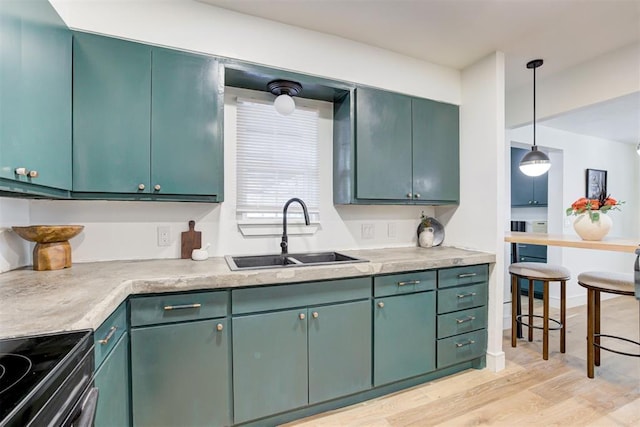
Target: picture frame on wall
x=596 y=183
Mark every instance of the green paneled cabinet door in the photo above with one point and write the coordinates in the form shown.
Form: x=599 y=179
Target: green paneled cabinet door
x=111 y=115
x=186 y=124
x=339 y=350
x=112 y=381
x=526 y=190
x=35 y=88
x=404 y=328
x=180 y=374
x=269 y=363
x=383 y=155
x=436 y=164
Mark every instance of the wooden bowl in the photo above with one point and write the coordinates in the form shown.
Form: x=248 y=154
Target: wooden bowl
x=48 y=233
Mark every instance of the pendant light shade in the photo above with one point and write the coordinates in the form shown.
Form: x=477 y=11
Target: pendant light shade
x=534 y=163
x=284 y=90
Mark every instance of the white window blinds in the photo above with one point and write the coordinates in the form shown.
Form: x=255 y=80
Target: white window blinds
x=277 y=158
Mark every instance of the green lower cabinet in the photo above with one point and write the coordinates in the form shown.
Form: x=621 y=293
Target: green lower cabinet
x=180 y=374
x=269 y=364
x=112 y=381
x=404 y=336
x=339 y=350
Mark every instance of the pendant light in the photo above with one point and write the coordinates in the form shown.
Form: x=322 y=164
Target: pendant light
x=534 y=163
x=284 y=90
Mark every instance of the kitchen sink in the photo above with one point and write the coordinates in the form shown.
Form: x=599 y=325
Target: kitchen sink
x=253 y=262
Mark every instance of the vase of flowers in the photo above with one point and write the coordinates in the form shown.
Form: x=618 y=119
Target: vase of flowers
x=592 y=221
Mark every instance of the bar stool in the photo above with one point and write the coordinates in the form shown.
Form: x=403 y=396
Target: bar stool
x=546 y=273
x=597 y=282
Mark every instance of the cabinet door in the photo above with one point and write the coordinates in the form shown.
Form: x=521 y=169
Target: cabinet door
x=436 y=164
x=35 y=82
x=521 y=184
x=404 y=337
x=111 y=114
x=186 y=124
x=180 y=374
x=112 y=381
x=541 y=190
x=339 y=350
x=383 y=138
x=269 y=364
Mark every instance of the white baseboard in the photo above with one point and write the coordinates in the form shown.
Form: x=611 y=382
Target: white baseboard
x=496 y=361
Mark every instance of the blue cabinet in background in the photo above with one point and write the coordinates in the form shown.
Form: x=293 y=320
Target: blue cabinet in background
x=526 y=190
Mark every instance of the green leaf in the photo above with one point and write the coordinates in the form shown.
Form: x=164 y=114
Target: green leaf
x=569 y=211
x=595 y=216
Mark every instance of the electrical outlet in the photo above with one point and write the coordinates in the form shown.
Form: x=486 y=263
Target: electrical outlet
x=164 y=236
x=391 y=230
x=368 y=231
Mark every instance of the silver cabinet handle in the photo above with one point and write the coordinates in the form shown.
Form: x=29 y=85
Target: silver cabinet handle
x=462 y=344
x=470 y=294
x=301 y=316
x=409 y=282
x=417 y=196
x=26 y=172
x=463 y=275
x=315 y=315
x=106 y=339
x=157 y=187
x=182 y=307
x=466 y=319
x=381 y=304
x=219 y=327
x=141 y=187
x=409 y=195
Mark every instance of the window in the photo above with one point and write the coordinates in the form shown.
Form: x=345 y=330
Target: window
x=276 y=159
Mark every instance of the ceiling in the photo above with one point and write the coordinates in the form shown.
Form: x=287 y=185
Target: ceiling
x=457 y=33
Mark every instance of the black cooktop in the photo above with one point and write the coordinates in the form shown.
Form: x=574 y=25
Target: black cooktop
x=33 y=368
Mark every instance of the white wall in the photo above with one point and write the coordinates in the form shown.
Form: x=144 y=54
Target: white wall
x=571 y=154
x=608 y=76
x=199 y=27
x=14 y=251
x=479 y=220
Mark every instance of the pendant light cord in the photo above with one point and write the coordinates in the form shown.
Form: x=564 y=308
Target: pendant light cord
x=534 y=107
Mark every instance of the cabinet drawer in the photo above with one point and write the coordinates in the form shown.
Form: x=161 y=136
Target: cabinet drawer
x=109 y=333
x=394 y=284
x=462 y=297
x=461 y=348
x=265 y=298
x=461 y=322
x=537 y=251
x=463 y=275
x=177 y=308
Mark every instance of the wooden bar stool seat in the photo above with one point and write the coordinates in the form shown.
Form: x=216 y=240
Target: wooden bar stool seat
x=546 y=273
x=597 y=282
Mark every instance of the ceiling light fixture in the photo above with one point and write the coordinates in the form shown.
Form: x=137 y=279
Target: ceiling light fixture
x=534 y=163
x=284 y=90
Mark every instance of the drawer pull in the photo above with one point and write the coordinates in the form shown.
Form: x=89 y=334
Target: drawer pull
x=463 y=275
x=470 y=294
x=462 y=344
x=466 y=319
x=409 y=282
x=182 y=307
x=106 y=339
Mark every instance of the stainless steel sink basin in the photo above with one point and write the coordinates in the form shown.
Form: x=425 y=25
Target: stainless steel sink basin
x=254 y=262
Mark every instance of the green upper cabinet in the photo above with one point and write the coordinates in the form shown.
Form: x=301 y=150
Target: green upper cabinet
x=147 y=121
x=111 y=115
x=186 y=124
x=526 y=190
x=35 y=100
x=436 y=157
x=383 y=155
x=395 y=149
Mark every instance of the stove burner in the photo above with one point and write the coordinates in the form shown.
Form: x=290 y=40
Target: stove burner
x=13 y=368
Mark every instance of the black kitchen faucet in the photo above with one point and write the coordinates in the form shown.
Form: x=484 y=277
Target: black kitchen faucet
x=285 y=240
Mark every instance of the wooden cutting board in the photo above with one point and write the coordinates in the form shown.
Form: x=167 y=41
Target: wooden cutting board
x=191 y=240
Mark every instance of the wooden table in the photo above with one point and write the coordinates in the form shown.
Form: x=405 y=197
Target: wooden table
x=618 y=245
x=607 y=244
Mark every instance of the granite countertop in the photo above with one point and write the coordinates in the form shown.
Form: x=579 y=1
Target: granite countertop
x=81 y=297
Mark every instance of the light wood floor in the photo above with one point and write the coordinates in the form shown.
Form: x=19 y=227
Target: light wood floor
x=530 y=391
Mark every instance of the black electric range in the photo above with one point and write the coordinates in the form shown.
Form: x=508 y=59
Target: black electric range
x=44 y=378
